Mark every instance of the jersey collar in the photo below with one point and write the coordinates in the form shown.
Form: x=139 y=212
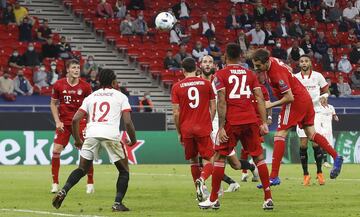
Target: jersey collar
x=302 y=75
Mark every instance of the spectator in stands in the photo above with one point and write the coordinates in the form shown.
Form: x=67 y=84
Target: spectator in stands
x=127 y=26
x=22 y=85
x=303 y=5
x=344 y=64
x=44 y=32
x=15 y=60
x=257 y=35
x=329 y=60
x=104 y=10
x=322 y=14
x=355 y=79
x=335 y=13
x=49 y=49
x=259 y=11
x=25 y=29
x=242 y=62
x=31 y=57
x=307 y=18
x=270 y=35
x=93 y=81
x=214 y=51
x=354 y=55
x=7 y=87
x=182 y=54
x=242 y=41
x=296 y=30
x=140 y=25
x=170 y=62
x=206 y=28
x=307 y=45
x=177 y=35
x=320 y=46
x=146 y=104
x=8 y=15
x=274 y=13
x=279 y=52
x=120 y=9
x=343 y=87
x=53 y=75
x=350 y=12
x=89 y=65
x=198 y=52
x=182 y=10
x=232 y=21
x=334 y=39
x=357 y=27
x=282 y=30
x=330 y=3
x=124 y=90
x=357 y=4
x=246 y=19
x=333 y=89
x=40 y=77
x=294 y=52
x=64 y=48
x=136 y=5
x=351 y=37
x=287 y=9
x=20 y=13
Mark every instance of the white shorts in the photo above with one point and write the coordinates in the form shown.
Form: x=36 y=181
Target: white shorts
x=317 y=125
x=90 y=149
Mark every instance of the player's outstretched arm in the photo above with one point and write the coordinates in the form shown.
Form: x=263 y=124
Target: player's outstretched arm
x=288 y=97
x=212 y=109
x=129 y=127
x=262 y=110
x=55 y=114
x=75 y=127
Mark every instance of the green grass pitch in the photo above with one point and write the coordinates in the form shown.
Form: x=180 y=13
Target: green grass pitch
x=167 y=190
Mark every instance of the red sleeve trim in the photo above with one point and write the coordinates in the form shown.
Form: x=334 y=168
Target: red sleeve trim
x=126 y=110
x=323 y=88
x=82 y=110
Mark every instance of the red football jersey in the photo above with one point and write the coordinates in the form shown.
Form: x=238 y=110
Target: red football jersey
x=70 y=98
x=239 y=84
x=281 y=79
x=193 y=95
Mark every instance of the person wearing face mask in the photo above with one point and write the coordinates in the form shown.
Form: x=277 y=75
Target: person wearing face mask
x=104 y=9
x=344 y=64
x=127 y=26
x=282 y=30
x=279 y=52
x=25 y=30
x=214 y=51
x=146 y=104
x=198 y=52
x=88 y=66
x=31 y=57
x=140 y=24
x=7 y=87
x=40 y=78
x=22 y=85
x=53 y=75
x=15 y=60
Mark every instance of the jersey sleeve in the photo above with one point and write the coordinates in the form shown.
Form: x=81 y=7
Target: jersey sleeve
x=55 y=91
x=125 y=105
x=265 y=93
x=333 y=112
x=211 y=91
x=174 y=96
x=88 y=90
x=219 y=81
x=281 y=80
x=322 y=81
x=254 y=81
x=84 y=106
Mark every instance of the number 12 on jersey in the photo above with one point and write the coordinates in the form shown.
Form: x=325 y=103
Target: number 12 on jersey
x=104 y=108
x=244 y=89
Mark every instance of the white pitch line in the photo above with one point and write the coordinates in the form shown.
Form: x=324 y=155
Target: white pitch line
x=47 y=213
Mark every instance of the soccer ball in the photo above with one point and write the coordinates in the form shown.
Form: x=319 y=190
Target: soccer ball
x=164 y=21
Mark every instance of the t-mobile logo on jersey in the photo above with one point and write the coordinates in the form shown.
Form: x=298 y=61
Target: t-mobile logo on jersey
x=67 y=99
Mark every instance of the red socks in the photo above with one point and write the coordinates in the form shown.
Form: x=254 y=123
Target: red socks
x=279 y=149
x=264 y=177
x=195 y=171
x=217 y=176
x=207 y=171
x=55 y=166
x=90 y=175
x=324 y=144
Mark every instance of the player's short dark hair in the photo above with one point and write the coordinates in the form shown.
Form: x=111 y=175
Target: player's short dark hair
x=233 y=51
x=189 y=64
x=261 y=54
x=305 y=55
x=72 y=62
x=106 y=77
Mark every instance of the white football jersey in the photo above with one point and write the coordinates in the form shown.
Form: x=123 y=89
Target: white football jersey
x=313 y=83
x=104 y=108
x=327 y=113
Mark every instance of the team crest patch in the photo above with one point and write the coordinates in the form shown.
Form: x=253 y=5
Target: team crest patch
x=79 y=91
x=282 y=85
x=216 y=81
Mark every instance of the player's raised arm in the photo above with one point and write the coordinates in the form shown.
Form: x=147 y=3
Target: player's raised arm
x=75 y=127
x=129 y=127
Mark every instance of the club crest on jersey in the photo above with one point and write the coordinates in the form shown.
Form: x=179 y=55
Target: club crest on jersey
x=79 y=91
x=64 y=92
x=282 y=84
x=216 y=81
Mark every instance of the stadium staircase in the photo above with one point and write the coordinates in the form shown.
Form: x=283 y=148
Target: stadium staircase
x=82 y=38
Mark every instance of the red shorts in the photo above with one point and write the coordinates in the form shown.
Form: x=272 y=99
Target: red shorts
x=198 y=145
x=62 y=138
x=299 y=112
x=249 y=136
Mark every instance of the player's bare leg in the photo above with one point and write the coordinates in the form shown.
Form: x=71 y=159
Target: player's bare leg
x=206 y=172
x=304 y=160
x=264 y=178
x=121 y=185
x=72 y=180
x=90 y=181
x=324 y=144
x=55 y=167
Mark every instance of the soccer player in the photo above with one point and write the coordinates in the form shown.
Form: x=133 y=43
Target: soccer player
x=317 y=87
x=208 y=68
x=238 y=121
x=297 y=109
x=327 y=114
x=67 y=96
x=193 y=102
x=103 y=108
